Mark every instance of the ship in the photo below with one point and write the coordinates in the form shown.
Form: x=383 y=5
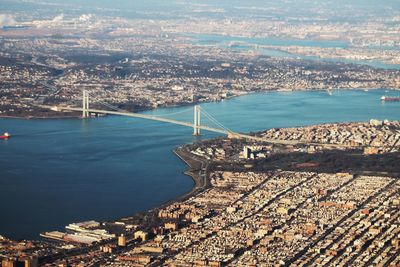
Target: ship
x=5 y=136
x=390 y=99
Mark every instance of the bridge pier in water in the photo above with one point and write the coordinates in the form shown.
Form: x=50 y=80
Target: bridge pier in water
x=196 y=122
x=85 y=105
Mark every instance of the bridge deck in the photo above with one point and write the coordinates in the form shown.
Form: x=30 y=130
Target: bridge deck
x=202 y=127
x=147 y=117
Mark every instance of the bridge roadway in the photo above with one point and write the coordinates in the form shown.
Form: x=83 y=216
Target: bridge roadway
x=191 y=125
x=143 y=116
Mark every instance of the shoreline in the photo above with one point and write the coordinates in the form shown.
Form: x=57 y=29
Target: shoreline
x=30 y=117
x=191 y=170
x=201 y=183
x=38 y=118
x=194 y=167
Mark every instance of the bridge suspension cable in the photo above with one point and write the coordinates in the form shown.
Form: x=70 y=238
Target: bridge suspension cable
x=203 y=111
x=118 y=111
x=209 y=116
x=112 y=107
x=174 y=113
x=196 y=125
x=163 y=115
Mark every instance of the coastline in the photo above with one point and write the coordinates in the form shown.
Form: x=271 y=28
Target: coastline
x=200 y=179
x=196 y=169
x=39 y=118
x=192 y=169
x=77 y=116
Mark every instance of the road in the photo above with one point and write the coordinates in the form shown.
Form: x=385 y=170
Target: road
x=202 y=127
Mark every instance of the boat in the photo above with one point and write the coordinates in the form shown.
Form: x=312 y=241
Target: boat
x=5 y=136
x=390 y=99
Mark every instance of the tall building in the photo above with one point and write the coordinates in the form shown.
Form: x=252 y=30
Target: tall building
x=246 y=152
x=122 y=241
x=10 y=262
x=30 y=261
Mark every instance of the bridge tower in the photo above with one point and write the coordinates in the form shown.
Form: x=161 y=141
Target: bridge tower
x=85 y=104
x=196 y=123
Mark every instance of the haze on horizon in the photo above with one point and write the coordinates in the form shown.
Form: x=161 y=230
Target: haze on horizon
x=11 y=10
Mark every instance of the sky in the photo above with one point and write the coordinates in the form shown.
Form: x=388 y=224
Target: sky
x=332 y=9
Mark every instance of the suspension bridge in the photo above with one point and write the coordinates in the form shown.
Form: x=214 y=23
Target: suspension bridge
x=113 y=110
x=198 y=114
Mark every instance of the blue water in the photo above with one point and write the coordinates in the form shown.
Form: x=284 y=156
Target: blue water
x=224 y=39
x=244 y=43
x=372 y=63
x=54 y=172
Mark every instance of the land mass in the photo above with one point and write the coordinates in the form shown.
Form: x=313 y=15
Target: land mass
x=310 y=203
